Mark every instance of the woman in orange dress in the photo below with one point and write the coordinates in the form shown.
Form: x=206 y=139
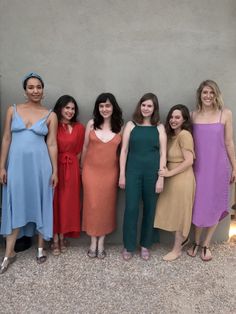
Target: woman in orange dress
x=66 y=203
x=100 y=172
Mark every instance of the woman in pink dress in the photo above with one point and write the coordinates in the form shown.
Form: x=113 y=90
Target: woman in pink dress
x=214 y=148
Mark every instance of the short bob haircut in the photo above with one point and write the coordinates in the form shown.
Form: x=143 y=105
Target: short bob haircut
x=61 y=103
x=137 y=115
x=218 y=103
x=116 y=118
x=187 y=124
x=29 y=76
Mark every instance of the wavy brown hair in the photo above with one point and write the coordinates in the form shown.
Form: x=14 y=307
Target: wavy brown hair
x=187 y=124
x=137 y=115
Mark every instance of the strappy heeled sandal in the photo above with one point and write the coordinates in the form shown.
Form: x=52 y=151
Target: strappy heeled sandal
x=6 y=262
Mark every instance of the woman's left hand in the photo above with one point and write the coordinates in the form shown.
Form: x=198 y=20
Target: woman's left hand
x=164 y=172
x=54 y=180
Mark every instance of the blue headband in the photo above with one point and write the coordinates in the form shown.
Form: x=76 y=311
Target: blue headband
x=33 y=75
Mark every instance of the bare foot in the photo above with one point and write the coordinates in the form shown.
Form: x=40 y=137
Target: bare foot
x=171 y=256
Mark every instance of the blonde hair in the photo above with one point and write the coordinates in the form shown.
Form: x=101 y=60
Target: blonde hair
x=218 y=103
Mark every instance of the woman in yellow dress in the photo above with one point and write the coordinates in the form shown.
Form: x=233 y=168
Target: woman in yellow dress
x=174 y=206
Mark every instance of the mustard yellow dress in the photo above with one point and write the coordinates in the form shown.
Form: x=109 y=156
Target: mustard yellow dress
x=175 y=203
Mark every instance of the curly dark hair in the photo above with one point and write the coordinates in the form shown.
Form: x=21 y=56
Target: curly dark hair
x=187 y=124
x=116 y=118
x=155 y=118
x=61 y=103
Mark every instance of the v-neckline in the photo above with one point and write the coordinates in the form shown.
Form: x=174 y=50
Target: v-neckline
x=102 y=140
x=24 y=122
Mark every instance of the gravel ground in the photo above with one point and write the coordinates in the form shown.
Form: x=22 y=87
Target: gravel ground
x=73 y=283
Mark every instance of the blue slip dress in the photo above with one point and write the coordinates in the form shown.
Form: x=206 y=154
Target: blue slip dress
x=28 y=195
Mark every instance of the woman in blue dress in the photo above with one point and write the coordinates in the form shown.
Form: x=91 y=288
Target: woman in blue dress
x=28 y=170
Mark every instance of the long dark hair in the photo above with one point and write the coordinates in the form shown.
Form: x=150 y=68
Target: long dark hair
x=155 y=118
x=187 y=124
x=61 y=103
x=116 y=118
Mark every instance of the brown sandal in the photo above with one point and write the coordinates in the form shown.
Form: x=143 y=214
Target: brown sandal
x=55 y=249
x=194 y=249
x=204 y=252
x=63 y=245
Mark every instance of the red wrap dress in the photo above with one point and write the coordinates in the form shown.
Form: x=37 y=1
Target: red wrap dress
x=66 y=203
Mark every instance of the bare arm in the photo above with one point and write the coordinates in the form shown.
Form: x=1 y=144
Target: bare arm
x=163 y=144
x=124 y=152
x=89 y=127
x=229 y=143
x=188 y=162
x=52 y=146
x=6 y=141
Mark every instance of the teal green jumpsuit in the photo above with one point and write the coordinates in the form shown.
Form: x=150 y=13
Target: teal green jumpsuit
x=142 y=167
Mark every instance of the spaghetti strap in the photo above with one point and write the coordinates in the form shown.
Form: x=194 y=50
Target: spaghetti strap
x=48 y=114
x=134 y=123
x=220 y=116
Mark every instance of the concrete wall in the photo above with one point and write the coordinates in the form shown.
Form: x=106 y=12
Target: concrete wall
x=85 y=47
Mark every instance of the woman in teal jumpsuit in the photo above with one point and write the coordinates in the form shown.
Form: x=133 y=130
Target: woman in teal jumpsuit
x=143 y=153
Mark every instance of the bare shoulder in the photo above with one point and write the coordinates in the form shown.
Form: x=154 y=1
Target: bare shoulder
x=10 y=109
x=129 y=126
x=161 y=127
x=90 y=124
x=52 y=115
x=226 y=115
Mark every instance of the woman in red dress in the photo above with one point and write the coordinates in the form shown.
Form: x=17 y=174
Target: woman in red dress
x=66 y=203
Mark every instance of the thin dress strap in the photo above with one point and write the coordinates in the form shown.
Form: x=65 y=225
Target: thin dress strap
x=45 y=118
x=134 y=123
x=220 y=116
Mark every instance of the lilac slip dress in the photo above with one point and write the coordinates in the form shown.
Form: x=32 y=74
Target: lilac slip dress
x=212 y=173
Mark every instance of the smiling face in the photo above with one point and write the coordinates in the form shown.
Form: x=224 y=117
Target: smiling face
x=147 y=108
x=207 y=96
x=176 y=121
x=67 y=112
x=105 y=109
x=34 y=90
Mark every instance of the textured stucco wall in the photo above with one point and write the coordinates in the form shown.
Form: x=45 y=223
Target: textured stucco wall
x=85 y=47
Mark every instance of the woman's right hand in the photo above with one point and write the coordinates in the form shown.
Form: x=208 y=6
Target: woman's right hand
x=122 y=182
x=3 y=176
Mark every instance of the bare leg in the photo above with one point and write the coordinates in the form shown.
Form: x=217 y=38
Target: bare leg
x=209 y=233
x=55 y=247
x=206 y=253
x=101 y=243
x=101 y=252
x=10 y=243
x=177 y=248
x=93 y=244
x=10 y=255
x=62 y=243
x=41 y=255
x=194 y=248
x=40 y=241
x=92 y=252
